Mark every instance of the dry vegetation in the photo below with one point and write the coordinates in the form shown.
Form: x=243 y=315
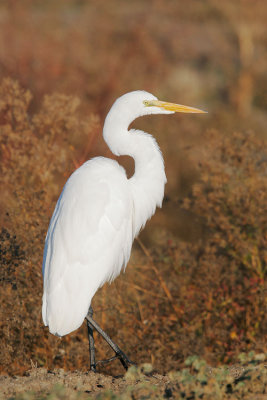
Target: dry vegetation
x=192 y=287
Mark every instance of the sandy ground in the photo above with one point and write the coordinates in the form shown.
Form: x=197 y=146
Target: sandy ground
x=41 y=380
x=244 y=382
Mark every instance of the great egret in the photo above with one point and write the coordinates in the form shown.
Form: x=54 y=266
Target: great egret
x=97 y=217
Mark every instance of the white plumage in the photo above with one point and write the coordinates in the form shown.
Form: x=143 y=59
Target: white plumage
x=100 y=212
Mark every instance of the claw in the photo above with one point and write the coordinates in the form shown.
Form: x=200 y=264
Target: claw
x=125 y=361
x=107 y=361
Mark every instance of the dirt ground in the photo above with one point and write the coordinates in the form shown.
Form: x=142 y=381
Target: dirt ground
x=242 y=381
x=41 y=380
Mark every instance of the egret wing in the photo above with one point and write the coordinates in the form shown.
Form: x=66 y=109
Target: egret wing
x=88 y=241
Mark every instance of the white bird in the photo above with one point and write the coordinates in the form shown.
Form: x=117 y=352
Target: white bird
x=97 y=217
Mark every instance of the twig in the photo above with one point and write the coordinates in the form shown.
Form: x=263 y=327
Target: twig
x=137 y=287
x=161 y=280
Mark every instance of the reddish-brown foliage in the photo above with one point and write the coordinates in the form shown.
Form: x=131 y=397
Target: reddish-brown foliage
x=204 y=297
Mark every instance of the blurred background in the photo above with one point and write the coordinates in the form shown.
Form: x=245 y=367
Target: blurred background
x=195 y=281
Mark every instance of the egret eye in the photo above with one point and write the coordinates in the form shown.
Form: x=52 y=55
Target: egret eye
x=146 y=103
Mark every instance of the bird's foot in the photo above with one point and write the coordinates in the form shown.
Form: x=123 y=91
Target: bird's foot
x=126 y=362
x=122 y=357
x=93 y=367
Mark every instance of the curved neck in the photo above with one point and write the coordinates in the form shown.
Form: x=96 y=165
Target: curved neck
x=147 y=183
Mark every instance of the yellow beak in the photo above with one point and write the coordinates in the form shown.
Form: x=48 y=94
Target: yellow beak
x=173 y=107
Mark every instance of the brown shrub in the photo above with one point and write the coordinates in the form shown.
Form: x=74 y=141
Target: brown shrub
x=228 y=267
x=179 y=298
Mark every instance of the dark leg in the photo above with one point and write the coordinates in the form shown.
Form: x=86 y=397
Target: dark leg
x=119 y=353
x=91 y=342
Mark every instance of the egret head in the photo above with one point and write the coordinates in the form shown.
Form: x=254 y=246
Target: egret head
x=138 y=103
x=129 y=107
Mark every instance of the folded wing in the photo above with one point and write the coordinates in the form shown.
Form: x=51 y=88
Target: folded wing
x=88 y=242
